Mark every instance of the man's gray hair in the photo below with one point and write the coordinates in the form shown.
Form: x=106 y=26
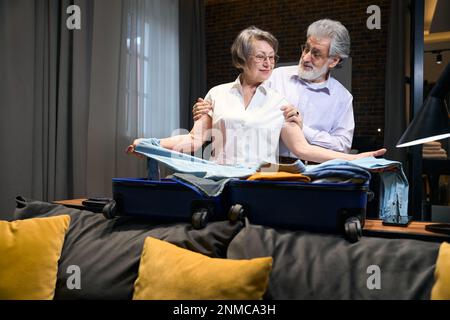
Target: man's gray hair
x=334 y=30
x=243 y=45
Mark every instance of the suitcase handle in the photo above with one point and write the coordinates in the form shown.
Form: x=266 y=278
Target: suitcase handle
x=96 y=202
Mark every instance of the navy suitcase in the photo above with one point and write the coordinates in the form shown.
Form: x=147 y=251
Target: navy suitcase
x=321 y=207
x=164 y=200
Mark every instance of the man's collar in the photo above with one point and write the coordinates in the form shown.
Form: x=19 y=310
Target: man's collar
x=324 y=86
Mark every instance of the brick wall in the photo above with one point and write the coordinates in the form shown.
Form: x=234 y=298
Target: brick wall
x=288 y=21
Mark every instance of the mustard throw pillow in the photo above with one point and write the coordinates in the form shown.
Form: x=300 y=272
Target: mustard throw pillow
x=29 y=251
x=167 y=272
x=441 y=288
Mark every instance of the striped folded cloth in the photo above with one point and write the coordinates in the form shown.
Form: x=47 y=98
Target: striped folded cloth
x=432 y=144
x=433 y=150
x=436 y=152
x=434 y=156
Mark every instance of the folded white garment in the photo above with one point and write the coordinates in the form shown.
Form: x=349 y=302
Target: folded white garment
x=435 y=152
x=432 y=144
x=431 y=148
x=433 y=156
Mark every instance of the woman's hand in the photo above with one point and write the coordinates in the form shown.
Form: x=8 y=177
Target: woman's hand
x=291 y=114
x=200 y=108
x=377 y=153
x=131 y=147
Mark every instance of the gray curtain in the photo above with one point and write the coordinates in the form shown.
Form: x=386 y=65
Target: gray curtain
x=106 y=142
x=59 y=101
x=192 y=57
x=44 y=100
x=395 y=109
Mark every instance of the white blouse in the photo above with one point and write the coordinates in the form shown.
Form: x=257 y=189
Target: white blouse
x=246 y=136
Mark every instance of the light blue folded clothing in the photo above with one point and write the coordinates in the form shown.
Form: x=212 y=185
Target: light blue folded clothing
x=393 y=189
x=394 y=185
x=336 y=169
x=181 y=162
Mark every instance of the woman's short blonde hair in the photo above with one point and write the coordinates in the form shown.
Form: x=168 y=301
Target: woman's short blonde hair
x=243 y=45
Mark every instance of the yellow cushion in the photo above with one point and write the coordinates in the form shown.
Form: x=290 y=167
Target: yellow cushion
x=29 y=251
x=441 y=288
x=167 y=272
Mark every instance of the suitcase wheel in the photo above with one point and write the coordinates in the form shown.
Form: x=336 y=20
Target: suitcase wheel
x=199 y=219
x=236 y=213
x=353 y=230
x=110 y=210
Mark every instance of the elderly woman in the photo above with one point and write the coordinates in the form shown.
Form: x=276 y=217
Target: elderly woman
x=246 y=120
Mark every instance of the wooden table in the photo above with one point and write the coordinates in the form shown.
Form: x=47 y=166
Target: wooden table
x=372 y=227
x=73 y=203
x=416 y=230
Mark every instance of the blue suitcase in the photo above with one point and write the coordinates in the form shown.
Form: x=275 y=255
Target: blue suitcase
x=320 y=207
x=164 y=200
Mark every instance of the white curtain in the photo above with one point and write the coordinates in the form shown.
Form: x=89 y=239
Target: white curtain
x=152 y=76
x=138 y=93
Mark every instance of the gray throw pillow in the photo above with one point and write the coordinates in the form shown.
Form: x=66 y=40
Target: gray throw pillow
x=325 y=266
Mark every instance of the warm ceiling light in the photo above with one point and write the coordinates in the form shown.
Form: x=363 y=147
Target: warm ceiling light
x=436 y=37
x=430 y=8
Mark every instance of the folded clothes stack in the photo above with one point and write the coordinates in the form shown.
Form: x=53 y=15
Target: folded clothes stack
x=433 y=150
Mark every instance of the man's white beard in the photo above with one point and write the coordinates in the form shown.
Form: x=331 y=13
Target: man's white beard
x=312 y=75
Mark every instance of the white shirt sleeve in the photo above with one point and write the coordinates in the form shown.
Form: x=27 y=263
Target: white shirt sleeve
x=341 y=136
x=209 y=98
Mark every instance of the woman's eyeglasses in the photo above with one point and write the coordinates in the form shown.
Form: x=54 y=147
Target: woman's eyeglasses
x=262 y=57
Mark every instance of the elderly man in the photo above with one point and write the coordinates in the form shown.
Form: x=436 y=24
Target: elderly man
x=324 y=105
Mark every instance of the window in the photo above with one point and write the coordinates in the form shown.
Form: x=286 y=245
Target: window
x=152 y=72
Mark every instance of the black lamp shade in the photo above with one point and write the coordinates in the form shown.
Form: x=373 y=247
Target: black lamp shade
x=432 y=122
